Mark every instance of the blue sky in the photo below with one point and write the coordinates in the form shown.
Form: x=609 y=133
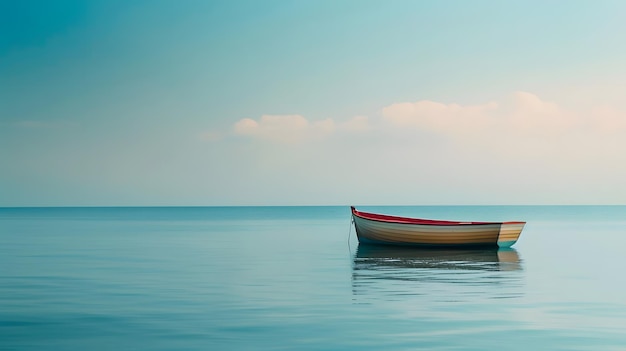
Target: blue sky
x=106 y=103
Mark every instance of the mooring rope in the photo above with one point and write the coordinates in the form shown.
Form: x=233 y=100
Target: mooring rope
x=350 y=231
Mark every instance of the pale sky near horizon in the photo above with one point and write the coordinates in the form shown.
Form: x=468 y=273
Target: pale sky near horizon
x=152 y=103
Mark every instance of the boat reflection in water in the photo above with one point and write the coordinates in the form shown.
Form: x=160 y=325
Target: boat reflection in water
x=391 y=272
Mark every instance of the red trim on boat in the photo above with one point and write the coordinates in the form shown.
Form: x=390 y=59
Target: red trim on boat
x=406 y=220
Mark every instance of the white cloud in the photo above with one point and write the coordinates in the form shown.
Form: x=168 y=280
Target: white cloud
x=437 y=116
x=521 y=116
x=284 y=128
x=529 y=113
x=536 y=150
x=607 y=120
x=356 y=124
x=522 y=126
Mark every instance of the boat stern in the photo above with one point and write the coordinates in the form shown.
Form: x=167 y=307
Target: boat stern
x=509 y=233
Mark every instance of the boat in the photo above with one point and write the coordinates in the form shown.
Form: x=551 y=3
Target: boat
x=373 y=228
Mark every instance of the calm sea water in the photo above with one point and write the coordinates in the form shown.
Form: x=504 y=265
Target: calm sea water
x=288 y=278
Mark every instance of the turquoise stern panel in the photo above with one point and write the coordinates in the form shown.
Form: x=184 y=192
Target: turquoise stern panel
x=506 y=243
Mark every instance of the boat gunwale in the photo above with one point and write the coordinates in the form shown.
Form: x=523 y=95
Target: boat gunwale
x=419 y=221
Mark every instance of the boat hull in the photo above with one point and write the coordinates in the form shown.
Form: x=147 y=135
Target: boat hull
x=374 y=231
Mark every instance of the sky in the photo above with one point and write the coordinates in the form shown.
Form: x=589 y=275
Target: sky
x=229 y=103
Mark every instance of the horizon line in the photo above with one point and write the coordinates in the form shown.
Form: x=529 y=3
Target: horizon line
x=367 y=205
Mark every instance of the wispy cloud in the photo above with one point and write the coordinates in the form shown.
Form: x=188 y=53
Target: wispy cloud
x=32 y=124
x=38 y=124
x=518 y=116
x=284 y=128
x=356 y=124
x=521 y=127
x=436 y=116
x=521 y=114
x=211 y=136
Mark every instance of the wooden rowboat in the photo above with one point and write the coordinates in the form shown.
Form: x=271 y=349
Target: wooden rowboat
x=372 y=228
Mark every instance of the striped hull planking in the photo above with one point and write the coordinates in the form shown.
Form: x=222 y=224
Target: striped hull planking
x=382 y=229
